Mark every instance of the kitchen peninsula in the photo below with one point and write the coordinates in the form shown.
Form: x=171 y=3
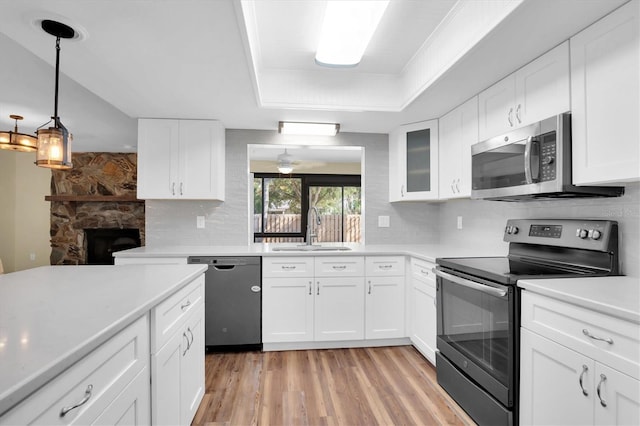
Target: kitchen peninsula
x=75 y=340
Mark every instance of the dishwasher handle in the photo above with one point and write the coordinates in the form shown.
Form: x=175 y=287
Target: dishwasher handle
x=224 y=267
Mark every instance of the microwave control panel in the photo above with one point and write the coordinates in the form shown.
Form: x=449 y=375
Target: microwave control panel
x=548 y=157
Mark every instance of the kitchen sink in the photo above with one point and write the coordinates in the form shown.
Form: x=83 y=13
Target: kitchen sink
x=313 y=247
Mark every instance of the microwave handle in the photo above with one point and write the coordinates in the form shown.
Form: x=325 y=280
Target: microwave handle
x=471 y=284
x=527 y=160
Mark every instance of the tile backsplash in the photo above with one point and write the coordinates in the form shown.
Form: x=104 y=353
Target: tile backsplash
x=227 y=223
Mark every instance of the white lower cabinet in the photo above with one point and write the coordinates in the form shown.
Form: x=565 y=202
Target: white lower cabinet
x=177 y=366
x=570 y=378
x=332 y=298
x=423 y=318
x=385 y=297
x=339 y=309
x=108 y=386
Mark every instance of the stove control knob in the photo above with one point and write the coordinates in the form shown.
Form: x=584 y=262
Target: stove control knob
x=596 y=234
x=582 y=233
x=514 y=229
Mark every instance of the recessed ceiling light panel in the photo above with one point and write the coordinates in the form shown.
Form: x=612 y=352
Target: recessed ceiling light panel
x=346 y=31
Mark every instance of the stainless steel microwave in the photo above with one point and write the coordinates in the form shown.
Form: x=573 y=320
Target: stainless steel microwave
x=530 y=163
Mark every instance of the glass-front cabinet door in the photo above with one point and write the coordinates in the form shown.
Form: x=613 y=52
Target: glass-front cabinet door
x=413 y=162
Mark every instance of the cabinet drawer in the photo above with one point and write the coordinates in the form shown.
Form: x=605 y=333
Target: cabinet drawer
x=569 y=324
x=287 y=267
x=108 y=370
x=169 y=315
x=422 y=270
x=379 y=266
x=339 y=266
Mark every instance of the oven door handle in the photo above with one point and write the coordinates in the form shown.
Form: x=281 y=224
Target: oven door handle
x=471 y=284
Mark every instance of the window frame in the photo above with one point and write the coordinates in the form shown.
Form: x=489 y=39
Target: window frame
x=307 y=181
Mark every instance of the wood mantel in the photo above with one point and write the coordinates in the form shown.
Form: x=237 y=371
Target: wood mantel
x=94 y=198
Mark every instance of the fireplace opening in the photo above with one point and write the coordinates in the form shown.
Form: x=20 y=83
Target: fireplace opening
x=102 y=243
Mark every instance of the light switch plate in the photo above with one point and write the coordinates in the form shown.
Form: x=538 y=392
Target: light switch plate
x=199 y=222
x=459 y=222
x=383 y=221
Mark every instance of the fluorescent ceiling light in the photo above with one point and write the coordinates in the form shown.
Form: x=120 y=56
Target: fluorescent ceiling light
x=347 y=29
x=316 y=129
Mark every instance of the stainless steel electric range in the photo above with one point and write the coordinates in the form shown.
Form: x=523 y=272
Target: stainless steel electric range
x=478 y=324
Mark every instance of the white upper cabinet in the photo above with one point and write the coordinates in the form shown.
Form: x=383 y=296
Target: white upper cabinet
x=181 y=159
x=413 y=162
x=605 y=95
x=458 y=131
x=536 y=91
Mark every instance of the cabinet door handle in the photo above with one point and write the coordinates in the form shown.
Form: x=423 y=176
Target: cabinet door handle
x=587 y=333
x=181 y=184
x=87 y=396
x=186 y=305
x=458 y=186
x=518 y=108
x=192 y=336
x=184 y=334
x=402 y=191
x=369 y=287
x=453 y=190
x=584 y=371
x=173 y=188
x=603 y=379
x=318 y=288
x=310 y=288
x=509 y=117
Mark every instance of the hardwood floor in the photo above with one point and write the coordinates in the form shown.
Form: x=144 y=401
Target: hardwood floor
x=367 y=386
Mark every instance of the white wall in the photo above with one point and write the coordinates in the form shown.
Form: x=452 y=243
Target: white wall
x=24 y=214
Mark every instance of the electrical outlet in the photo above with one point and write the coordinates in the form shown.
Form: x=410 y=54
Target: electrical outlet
x=383 y=221
x=32 y=256
x=459 y=222
x=200 y=222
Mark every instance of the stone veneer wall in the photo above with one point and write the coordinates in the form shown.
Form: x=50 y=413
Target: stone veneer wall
x=93 y=174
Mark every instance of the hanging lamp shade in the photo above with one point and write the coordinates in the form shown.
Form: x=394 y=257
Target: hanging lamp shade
x=54 y=142
x=285 y=165
x=17 y=141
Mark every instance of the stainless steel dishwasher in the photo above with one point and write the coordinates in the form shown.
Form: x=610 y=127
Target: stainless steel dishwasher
x=233 y=302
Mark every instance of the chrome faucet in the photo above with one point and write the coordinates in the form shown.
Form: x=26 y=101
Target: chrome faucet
x=318 y=222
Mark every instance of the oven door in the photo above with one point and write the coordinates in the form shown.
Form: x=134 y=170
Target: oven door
x=477 y=326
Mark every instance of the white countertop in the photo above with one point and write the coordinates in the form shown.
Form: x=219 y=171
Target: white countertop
x=52 y=316
x=617 y=296
x=427 y=252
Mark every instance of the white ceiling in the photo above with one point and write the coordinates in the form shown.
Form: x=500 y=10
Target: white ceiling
x=199 y=59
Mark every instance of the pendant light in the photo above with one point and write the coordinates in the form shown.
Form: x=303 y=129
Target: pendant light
x=17 y=141
x=54 y=143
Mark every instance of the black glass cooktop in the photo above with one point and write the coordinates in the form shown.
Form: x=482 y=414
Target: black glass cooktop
x=505 y=270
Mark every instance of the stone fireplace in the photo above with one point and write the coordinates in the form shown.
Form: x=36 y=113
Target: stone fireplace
x=95 y=203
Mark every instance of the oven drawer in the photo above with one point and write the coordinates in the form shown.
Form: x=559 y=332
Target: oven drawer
x=571 y=326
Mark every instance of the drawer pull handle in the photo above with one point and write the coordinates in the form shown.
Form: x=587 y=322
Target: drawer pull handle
x=369 y=286
x=584 y=371
x=339 y=267
x=288 y=268
x=603 y=379
x=318 y=288
x=385 y=266
x=423 y=272
x=310 y=288
x=186 y=305
x=587 y=333
x=87 y=396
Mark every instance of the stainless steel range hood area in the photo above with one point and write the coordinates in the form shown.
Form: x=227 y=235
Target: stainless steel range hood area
x=530 y=163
